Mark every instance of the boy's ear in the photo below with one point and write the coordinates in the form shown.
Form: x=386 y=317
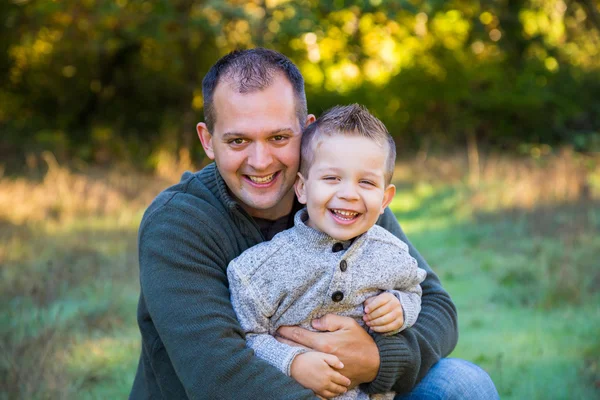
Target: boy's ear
x=300 y=188
x=206 y=139
x=388 y=196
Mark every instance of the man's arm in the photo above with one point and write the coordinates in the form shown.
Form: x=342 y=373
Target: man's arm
x=406 y=358
x=184 y=284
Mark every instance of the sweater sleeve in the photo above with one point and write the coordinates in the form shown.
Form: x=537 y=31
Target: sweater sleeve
x=184 y=283
x=253 y=315
x=407 y=357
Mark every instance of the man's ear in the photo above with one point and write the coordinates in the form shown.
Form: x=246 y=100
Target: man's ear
x=205 y=139
x=300 y=188
x=310 y=118
x=388 y=196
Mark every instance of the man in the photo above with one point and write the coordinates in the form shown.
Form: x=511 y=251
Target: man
x=192 y=344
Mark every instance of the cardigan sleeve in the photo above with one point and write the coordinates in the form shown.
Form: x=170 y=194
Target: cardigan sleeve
x=407 y=357
x=253 y=315
x=184 y=283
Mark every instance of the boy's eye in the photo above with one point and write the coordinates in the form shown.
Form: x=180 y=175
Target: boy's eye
x=330 y=178
x=370 y=183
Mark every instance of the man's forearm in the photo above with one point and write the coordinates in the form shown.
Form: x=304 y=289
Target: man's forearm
x=188 y=301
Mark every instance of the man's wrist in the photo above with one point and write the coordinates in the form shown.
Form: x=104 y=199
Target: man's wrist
x=395 y=358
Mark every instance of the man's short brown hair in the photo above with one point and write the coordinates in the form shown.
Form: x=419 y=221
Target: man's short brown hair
x=353 y=119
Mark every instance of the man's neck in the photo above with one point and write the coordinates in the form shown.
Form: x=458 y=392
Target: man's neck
x=281 y=209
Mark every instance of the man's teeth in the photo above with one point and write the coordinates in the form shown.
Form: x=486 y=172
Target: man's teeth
x=345 y=214
x=262 y=179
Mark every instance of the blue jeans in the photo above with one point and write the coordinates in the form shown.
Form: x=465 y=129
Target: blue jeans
x=452 y=378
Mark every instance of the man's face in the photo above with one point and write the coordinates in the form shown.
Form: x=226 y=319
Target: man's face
x=256 y=145
x=345 y=190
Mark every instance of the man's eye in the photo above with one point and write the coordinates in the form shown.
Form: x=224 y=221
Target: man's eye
x=237 y=141
x=278 y=138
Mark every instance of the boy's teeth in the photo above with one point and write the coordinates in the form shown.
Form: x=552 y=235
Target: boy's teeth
x=344 y=213
x=261 y=179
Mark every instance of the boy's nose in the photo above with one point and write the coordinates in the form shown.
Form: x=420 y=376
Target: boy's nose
x=348 y=192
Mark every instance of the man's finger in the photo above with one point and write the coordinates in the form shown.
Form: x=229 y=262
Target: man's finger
x=300 y=336
x=332 y=323
x=290 y=342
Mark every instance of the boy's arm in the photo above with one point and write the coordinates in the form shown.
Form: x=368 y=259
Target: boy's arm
x=410 y=295
x=407 y=357
x=314 y=370
x=252 y=313
x=184 y=284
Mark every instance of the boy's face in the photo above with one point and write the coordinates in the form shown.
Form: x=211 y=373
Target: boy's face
x=345 y=190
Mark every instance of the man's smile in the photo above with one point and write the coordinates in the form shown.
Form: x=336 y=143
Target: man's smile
x=261 y=181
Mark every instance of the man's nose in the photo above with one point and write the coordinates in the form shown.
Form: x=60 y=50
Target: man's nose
x=260 y=157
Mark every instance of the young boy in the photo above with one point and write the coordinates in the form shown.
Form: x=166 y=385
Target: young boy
x=335 y=259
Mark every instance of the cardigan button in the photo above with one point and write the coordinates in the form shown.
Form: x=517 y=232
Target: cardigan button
x=337 y=296
x=343 y=265
x=337 y=247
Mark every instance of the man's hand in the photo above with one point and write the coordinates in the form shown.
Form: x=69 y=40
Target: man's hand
x=383 y=313
x=343 y=338
x=319 y=372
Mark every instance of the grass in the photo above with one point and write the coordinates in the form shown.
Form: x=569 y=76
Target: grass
x=516 y=243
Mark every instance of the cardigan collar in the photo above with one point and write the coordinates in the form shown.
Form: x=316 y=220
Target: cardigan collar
x=321 y=240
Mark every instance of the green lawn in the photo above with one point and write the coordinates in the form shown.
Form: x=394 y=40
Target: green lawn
x=525 y=284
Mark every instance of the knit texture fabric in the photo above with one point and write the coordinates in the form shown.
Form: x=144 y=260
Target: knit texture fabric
x=192 y=343
x=298 y=276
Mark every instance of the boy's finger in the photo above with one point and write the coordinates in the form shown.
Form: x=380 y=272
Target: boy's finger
x=379 y=312
x=328 y=394
x=332 y=361
x=372 y=303
x=339 y=379
x=389 y=327
x=385 y=319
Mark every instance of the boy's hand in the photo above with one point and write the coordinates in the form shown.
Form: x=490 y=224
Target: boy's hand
x=383 y=313
x=318 y=371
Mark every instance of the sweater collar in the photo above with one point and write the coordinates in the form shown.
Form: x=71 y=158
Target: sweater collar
x=320 y=239
x=211 y=177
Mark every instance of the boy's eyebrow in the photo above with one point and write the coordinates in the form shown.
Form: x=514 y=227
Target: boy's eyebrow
x=234 y=134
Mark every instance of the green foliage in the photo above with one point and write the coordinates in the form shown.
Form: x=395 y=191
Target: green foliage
x=435 y=71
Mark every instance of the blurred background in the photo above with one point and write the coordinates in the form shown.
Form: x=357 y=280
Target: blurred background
x=494 y=106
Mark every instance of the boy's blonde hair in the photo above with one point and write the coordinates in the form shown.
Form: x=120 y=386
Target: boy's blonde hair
x=353 y=119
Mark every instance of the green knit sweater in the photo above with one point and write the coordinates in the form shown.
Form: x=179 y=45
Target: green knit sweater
x=192 y=343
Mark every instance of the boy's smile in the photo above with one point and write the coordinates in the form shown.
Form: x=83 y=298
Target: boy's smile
x=345 y=190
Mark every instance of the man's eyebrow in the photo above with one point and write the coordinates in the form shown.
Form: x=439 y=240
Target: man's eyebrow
x=281 y=130
x=232 y=135
x=235 y=135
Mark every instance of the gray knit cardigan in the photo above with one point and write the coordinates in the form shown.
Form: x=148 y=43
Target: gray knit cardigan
x=301 y=274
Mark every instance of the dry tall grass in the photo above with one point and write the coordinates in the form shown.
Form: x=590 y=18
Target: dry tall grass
x=43 y=257
x=504 y=182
